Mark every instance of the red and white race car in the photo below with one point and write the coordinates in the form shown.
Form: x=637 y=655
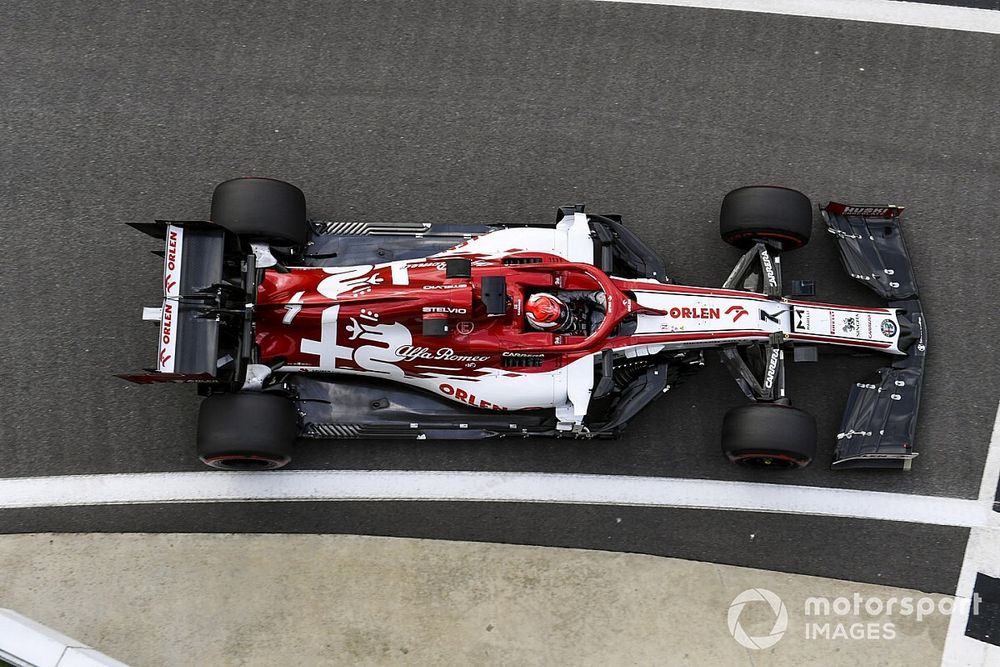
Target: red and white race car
x=297 y=328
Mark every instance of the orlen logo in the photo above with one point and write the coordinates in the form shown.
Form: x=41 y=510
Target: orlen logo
x=171 y=260
x=167 y=318
x=706 y=313
x=465 y=397
x=695 y=313
x=736 y=311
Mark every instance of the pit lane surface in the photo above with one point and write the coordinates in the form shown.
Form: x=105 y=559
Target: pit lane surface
x=501 y=111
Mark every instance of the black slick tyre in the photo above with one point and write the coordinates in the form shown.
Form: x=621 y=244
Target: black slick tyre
x=261 y=209
x=769 y=435
x=246 y=431
x=766 y=213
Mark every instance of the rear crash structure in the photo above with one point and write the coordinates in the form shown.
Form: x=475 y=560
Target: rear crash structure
x=304 y=329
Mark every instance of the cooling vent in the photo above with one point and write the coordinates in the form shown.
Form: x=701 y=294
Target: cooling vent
x=521 y=362
x=369 y=228
x=512 y=261
x=332 y=431
x=342 y=431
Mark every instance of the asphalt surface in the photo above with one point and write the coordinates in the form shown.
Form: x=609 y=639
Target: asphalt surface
x=974 y=4
x=498 y=111
x=926 y=558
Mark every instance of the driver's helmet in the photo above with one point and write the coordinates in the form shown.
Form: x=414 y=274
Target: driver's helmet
x=546 y=311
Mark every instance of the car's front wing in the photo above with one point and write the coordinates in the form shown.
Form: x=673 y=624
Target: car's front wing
x=877 y=430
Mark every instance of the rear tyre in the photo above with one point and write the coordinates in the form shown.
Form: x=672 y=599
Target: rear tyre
x=765 y=213
x=769 y=435
x=261 y=209
x=246 y=431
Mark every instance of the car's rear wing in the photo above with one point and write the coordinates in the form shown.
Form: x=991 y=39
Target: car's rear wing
x=877 y=430
x=191 y=313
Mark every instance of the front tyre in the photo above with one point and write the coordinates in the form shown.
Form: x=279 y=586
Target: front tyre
x=246 y=431
x=769 y=435
x=765 y=213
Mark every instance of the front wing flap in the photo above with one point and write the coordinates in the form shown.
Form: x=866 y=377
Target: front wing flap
x=872 y=248
x=879 y=422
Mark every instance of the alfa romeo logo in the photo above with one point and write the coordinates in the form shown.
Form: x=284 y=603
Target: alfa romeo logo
x=780 y=618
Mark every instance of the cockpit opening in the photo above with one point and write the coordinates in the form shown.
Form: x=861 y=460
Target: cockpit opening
x=568 y=312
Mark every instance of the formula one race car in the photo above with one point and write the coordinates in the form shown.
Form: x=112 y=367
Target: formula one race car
x=303 y=329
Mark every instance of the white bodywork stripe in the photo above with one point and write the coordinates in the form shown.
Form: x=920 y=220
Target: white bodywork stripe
x=400 y=272
x=731 y=314
x=326 y=348
x=873 y=11
x=578 y=380
x=570 y=239
x=579 y=244
x=293 y=307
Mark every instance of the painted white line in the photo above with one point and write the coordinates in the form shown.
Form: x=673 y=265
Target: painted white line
x=873 y=11
x=381 y=485
x=982 y=554
x=991 y=471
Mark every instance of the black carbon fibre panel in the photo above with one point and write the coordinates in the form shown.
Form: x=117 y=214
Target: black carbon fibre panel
x=873 y=252
x=880 y=419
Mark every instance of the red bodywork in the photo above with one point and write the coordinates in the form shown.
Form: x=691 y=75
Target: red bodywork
x=377 y=303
